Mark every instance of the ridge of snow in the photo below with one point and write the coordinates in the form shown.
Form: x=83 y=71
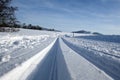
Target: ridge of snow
x=79 y=67
x=26 y=67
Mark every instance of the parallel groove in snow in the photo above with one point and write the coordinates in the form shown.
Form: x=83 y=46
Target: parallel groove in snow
x=80 y=68
x=62 y=63
x=24 y=70
x=108 y=65
x=57 y=62
x=51 y=68
x=21 y=55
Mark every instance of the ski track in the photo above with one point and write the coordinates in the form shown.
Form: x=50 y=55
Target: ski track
x=52 y=67
x=21 y=55
x=65 y=61
x=103 y=61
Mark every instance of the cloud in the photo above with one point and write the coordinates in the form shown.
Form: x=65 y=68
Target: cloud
x=69 y=14
x=104 y=1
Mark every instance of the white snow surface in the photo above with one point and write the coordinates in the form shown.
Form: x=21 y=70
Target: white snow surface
x=46 y=55
x=105 y=48
x=79 y=68
x=104 y=55
x=17 y=47
x=25 y=68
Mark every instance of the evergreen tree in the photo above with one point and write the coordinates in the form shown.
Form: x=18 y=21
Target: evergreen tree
x=7 y=14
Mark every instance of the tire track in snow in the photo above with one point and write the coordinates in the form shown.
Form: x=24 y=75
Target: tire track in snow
x=61 y=63
x=27 y=67
x=79 y=67
x=111 y=67
x=45 y=67
x=52 y=67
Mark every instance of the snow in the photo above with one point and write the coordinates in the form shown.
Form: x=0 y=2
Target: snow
x=24 y=39
x=5 y=58
x=107 y=38
x=26 y=67
x=62 y=63
x=98 y=53
x=79 y=68
x=46 y=55
x=16 y=48
x=15 y=42
x=106 y=48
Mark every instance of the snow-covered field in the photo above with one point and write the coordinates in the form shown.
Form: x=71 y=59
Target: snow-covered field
x=16 y=48
x=45 y=55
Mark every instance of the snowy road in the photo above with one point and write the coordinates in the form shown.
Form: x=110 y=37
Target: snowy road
x=66 y=59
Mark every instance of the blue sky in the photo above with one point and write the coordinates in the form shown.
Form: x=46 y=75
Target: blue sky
x=71 y=15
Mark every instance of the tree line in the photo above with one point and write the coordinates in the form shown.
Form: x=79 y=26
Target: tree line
x=8 y=19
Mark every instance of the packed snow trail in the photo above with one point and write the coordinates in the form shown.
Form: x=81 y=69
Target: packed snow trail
x=103 y=61
x=62 y=63
x=56 y=62
x=52 y=67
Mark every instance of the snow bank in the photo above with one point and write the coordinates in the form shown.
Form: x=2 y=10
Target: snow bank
x=9 y=44
x=23 y=39
x=27 y=67
x=17 y=47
